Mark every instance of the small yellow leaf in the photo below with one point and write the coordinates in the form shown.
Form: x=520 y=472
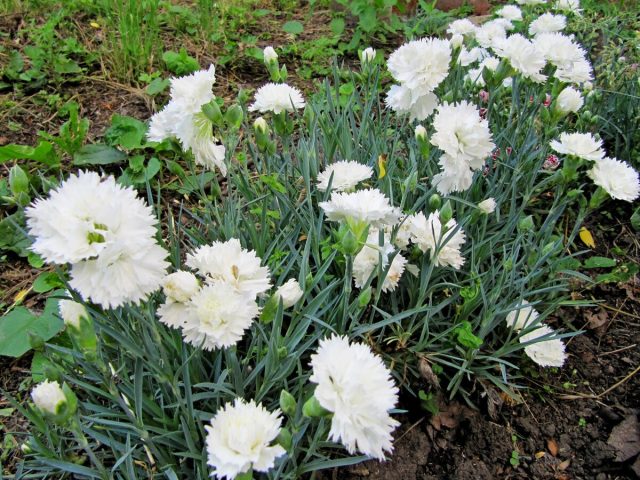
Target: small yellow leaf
x=94 y=24
x=20 y=295
x=587 y=238
x=539 y=455
x=382 y=162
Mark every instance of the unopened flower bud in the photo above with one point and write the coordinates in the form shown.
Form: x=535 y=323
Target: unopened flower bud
x=180 y=286
x=270 y=55
x=260 y=124
x=71 y=312
x=290 y=292
x=421 y=133
x=49 y=397
x=487 y=206
x=368 y=55
x=457 y=40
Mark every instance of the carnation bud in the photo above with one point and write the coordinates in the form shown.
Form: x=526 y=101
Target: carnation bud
x=290 y=292
x=487 y=206
x=269 y=54
x=80 y=326
x=212 y=111
x=364 y=298
x=260 y=124
x=180 y=286
x=368 y=55
x=288 y=403
x=234 y=116
x=312 y=408
x=54 y=401
x=525 y=224
x=446 y=213
x=484 y=96
x=588 y=86
x=285 y=439
x=420 y=133
x=71 y=312
x=434 y=202
x=456 y=40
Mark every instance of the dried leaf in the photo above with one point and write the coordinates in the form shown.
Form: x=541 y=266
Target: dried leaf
x=427 y=373
x=625 y=438
x=564 y=465
x=552 y=446
x=597 y=319
x=539 y=455
x=587 y=238
x=382 y=170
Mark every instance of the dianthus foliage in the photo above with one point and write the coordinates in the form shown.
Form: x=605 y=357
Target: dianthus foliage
x=346 y=240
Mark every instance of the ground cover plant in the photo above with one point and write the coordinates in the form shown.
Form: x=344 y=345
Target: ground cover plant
x=410 y=218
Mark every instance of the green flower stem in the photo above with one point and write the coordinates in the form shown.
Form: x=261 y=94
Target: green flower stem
x=346 y=292
x=76 y=429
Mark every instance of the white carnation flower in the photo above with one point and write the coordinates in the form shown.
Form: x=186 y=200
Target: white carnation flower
x=218 y=316
x=462 y=134
x=180 y=286
x=344 y=175
x=182 y=118
x=580 y=71
x=242 y=437
x=547 y=23
x=48 y=396
x=228 y=262
x=467 y=57
x=510 y=12
x=368 y=206
x=523 y=55
x=191 y=92
x=491 y=32
x=487 y=206
x=546 y=353
x=356 y=386
x=276 y=98
x=617 y=178
x=456 y=175
x=368 y=259
x=71 y=312
x=443 y=244
x=106 y=232
x=175 y=314
x=475 y=74
x=582 y=145
x=404 y=101
x=421 y=65
x=290 y=293
x=569 y=100
x=121 y=273
x=559 y=49
x=568 y=6
x=462 y=26
x=524 y=315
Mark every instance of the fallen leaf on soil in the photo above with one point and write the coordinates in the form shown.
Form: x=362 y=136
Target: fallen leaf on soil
x=552 y=445
x=539 y=455
x=625 y=438
x=636 y=467
x=494 y=400
x=449 y=416
x=597 y=319
x=427 y=373
x=632 y=289
x=564 y=465
x=587 y=238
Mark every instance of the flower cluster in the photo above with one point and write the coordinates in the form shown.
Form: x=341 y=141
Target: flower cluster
x=182 y=118
x=215 y=310
x=105 y=232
